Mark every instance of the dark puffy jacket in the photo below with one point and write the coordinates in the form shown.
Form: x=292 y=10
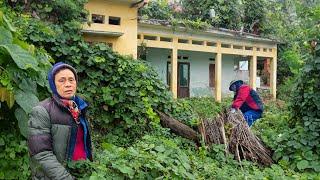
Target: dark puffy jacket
x=247 y=99
x=52 y=137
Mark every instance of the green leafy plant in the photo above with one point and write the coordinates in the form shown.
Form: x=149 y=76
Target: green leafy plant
x=22 y=69
x=14 y=160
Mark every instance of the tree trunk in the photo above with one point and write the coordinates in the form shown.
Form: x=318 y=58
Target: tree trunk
x=177 y=127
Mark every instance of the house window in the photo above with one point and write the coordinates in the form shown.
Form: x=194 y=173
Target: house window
x=225 y=45
x=183 y=74
x=212 y=69
x=110 y=45
x=165 y=39
x=185 y=41
x=197 y=42
x=97 y=18
x=237 y=47
x=169 y=74
x=211 y=44
x=114 y=20
x=153 y=38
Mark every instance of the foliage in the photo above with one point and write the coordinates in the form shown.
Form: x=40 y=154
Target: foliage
x=270 y=127
x=289 y=146
x=157 y=10
x=296 y=140
x=290 y=22
x=159 y=157
x=302 y=146
x=254 y=15
x=52 y=10
x=23 y=70
x=161 y=10
x=206 y=107
x=14 y=161
x=285 y=88
x=227 y=13
x=246 y=14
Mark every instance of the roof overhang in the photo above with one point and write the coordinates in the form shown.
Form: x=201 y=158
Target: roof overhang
x=125 y=1
x=215 y=32
x=102 y=33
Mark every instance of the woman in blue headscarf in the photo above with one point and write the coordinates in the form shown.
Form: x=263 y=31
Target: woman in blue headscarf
x=58 y=129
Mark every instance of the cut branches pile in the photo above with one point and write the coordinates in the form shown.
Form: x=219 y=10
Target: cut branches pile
x=232 y=130
x=229 y=129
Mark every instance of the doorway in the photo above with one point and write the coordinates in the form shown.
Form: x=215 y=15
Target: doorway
x=183 y=79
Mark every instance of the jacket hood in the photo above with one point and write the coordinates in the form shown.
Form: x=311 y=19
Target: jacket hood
x=55 y=68
x=236 y=83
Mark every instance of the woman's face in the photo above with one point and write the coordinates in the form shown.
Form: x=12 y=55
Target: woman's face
x=66 y=83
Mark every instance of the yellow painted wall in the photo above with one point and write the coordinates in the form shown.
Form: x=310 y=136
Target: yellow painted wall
x=125 y=44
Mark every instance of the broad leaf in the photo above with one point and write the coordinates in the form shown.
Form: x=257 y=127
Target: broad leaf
x=26 y=100
x=22 y=118
x=28 y=85
x=302 y=165
x=8 y=24
x=21 y=57
x=124 y=169
x=5 y=36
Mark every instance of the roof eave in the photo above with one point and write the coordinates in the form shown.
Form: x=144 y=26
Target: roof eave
x=220 y=32
x=102 y=33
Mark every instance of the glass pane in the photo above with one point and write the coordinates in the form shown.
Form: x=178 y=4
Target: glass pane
x=183 y=75
x=168 y=73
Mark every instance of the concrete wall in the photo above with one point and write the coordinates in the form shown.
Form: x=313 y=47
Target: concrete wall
x=229 y=73
x=125 y=44
x=199 y=69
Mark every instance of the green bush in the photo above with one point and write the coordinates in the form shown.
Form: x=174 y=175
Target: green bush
x=23 y=70
x=14 y=160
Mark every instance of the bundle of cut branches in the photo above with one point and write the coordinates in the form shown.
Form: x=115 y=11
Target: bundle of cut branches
x=229 y=129
x=232 y=130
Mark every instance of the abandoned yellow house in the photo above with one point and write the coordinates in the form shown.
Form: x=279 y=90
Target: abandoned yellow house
x=192 y=63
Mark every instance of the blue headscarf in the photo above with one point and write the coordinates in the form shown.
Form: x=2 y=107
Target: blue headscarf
x=53 y=71
x=235 y=85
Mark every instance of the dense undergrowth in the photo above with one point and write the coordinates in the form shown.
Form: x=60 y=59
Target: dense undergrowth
x=160 y=154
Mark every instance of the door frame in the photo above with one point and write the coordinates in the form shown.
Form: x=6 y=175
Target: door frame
x=213 y=85
x=178 y=79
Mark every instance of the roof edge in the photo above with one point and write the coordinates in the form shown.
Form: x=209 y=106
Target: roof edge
x=219 y=31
